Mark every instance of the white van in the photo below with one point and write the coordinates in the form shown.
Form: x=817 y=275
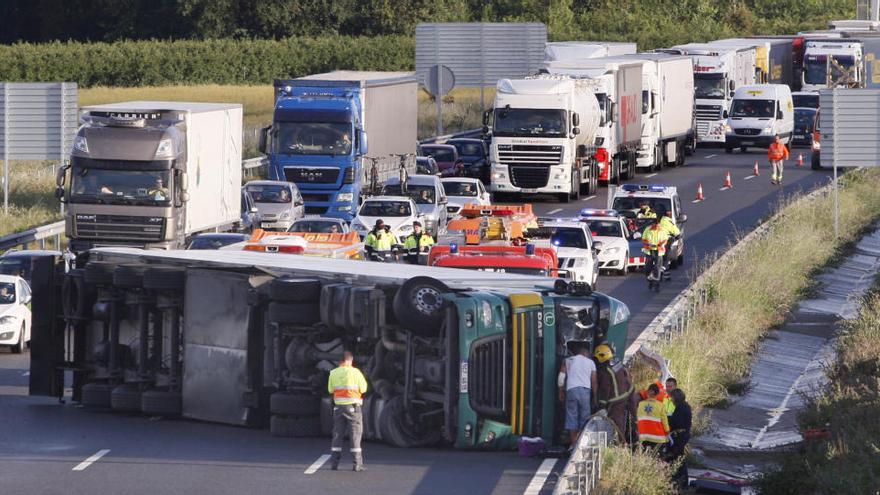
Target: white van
x=757 y=113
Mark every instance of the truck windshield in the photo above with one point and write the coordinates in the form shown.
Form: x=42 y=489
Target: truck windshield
x=569 y=237
x=269 y=193
x=385 y=209
x=805 y=101
x=815 y=67
x=709 y=86
x=422 y=195
x=97 y=185
x=753 y=108
x=312 y=138
x=529 y=122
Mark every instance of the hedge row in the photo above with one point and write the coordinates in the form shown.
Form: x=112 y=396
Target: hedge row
x=156 y=63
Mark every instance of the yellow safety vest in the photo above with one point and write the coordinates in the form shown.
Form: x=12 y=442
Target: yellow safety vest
x=347 y=384
x=669 y=226
x=654 y=237
x=381 y=242
x=425 y=240
x=649 y=213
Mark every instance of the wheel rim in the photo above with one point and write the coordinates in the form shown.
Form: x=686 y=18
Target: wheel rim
x=427 y=300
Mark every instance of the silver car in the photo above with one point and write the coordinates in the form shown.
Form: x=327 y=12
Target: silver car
x=430 y=197
x=279 y=203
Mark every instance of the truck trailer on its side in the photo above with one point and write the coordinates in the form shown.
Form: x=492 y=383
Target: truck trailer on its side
x=321 y=127
x=461 y=357
x=152 y=174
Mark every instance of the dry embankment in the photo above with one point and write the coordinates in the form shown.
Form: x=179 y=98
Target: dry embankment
x=749 y=294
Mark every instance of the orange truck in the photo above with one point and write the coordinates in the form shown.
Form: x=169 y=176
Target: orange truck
x=340 y=246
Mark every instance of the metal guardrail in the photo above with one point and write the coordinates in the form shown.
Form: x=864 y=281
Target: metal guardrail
x=472 y=133
x=584 y=468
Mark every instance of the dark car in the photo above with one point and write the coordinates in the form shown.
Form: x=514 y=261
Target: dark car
x=475 y=155
x=447 y=158
x=804 y=124
x=21 y=262
x=427 y=165
x=216 y=241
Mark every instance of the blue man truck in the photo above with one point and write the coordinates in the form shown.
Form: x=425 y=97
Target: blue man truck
x=320 y=130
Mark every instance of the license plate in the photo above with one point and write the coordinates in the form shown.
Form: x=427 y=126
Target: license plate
x=269 y=225
x=463 y=378
x=530 y=191
x=748 y=143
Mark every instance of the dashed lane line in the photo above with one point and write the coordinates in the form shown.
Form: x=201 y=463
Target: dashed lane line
x=650 y=175
x=91 y=460
x=588 y=198
x=711 y=156
x=540 y=477
x=553 y=212
x=317 y=464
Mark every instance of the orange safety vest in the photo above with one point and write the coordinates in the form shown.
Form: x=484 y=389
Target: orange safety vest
x=777 y=151
x=653 y=424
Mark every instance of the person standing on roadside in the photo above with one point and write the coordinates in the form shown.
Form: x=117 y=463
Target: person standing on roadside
x=653 y=423
x=680 y=432
x=577 y=379
x=348 y=386
x=777 y=154
x=614 y=391
x=668 y=403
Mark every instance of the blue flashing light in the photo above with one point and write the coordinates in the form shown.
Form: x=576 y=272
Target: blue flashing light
x=453 y=248
x=657 y=187
x=591 y=212
x=643 y=187
x=530 y=249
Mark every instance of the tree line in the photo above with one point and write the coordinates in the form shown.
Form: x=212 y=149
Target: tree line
x=650 y=22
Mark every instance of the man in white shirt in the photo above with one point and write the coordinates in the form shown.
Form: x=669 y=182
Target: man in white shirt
x=576 y=381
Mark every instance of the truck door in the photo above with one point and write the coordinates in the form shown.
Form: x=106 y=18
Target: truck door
x=47 y=327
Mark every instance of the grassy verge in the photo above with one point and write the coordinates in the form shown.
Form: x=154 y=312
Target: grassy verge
x=750 y=293
x=31 y=199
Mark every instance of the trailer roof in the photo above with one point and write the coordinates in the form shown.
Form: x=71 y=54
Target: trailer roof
x=364 y=78
x=179 y=106
x=341 y=269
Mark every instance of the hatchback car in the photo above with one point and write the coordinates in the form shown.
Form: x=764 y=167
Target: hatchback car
x=397 y=212
x=15 y=312
x=279 y=203
x=320 y=225
x=430 y=197
x=427 y=165
x=475 y=155
x=462 y=191
x=447 y=158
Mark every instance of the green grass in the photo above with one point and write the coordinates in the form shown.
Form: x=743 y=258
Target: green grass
x=31 y=199
x=752 y=292
x=628 y=472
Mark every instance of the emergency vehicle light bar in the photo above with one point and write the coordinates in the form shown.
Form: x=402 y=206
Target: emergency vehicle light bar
x=643 y=187
x=590 y=212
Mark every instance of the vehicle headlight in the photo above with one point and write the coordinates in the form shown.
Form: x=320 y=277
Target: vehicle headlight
x=359 y=227
x=81 y=144
x=285 y=215
x=6 y=320
x=621 y=314
x=611 y=250
x=6 y=335
x=344 y=197
x=164 y=150
x=405 y=228
x=727 y=128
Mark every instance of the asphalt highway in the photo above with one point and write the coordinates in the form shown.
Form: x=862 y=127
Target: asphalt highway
x=51 y=448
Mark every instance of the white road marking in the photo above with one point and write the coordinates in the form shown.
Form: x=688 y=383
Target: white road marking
x=91 y=460
x=725 y=188
x=777 y=412
x=711 y=156
x=540 y=477
x=317 y=464
x=589 y=198
x=26 y=373
x=553 y=212
x=697 y=201
x=749 y=177
x=650 y=175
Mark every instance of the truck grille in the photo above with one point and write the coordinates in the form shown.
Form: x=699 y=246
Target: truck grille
x=708 y=112
x=316 y=210
x=529 y=154
x=488 y=368
x=747 y=132
x=308 y=175
x=120 y=227
x=315 y=197
x=529 y=176
x=702 y=129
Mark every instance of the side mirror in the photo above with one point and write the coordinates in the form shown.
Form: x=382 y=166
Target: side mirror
x=731 y=85
x=184 y=181
x=363 y=141
x=575 y=130
x=254 y=210
x=264 y=139
x=683 y=218
x=597 y=246
x=298 y=202
x=486 y=118
x=732 y=93
x=59 y=192
x=443 y=200
x=61 y=175
x=582 y=151
x=575 y=119
x=779 y=115
x=184 y=196
x=724 y=114
x=613 y=116
x=485 y=129
x=637 y=235
x=26 y=300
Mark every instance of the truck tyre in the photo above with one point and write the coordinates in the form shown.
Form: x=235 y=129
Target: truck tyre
x=99 y=273
x=287 y=404
x=75 y=298
x=126 y=398
x=165 y=278
x=326 y=416
x=96 y=395
x=129 y=276
x=303 y=313
x=284 y=426
x=161 y=403
x=396 y=430
x=418 y=305
x=295 y=290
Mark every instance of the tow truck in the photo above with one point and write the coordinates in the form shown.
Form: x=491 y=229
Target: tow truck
x=524 y=260
x=611 y=229
x=341 y=246
x=626 y=200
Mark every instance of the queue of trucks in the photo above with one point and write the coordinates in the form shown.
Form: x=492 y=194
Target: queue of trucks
x=465 y=357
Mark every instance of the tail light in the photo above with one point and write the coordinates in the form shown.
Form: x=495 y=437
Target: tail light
x=275 y=249
x=291 y=249
x=601 y=155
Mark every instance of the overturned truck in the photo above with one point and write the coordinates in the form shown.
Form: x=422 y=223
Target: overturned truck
x=460 y=357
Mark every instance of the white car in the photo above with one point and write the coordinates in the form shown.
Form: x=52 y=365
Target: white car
x=575 y=248
x=462 y=191
x=320 y=225
x=398 y=213
x=15 y=312
x=278 y=203
x=609 y=228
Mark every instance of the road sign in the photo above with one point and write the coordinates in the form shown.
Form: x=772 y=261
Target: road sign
x=439 y=80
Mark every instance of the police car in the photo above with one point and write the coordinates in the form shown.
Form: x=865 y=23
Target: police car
x=626 y=200
x=577 y=251
x=610 y=228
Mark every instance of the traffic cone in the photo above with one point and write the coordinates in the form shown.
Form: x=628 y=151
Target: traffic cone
x=800 y=160
x=700 y=196
x=727 y=183
x=756 y=172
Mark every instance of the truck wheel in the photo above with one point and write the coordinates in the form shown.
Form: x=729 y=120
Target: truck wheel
x=326 y=416
x=129 y=276
x=295 y=290
x=165 y=278
x=303 y=313
x=161 y=403
x=287 y=404
x=396 y=430
x=126 y=398
x=99 y=273
x=96 y=395
x=575 y=187
x=283 y=426
x=418 y=305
